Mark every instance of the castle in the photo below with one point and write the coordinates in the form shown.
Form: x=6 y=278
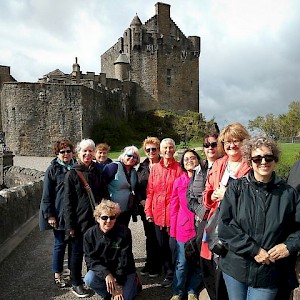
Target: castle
x=153 y=66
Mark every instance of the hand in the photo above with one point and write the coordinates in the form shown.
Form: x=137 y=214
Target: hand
x=263 y=257
x=218 y=194
x=118 y=293
x=72 y=233
x=142 y=202
x=52 y=222
x=150 y=219
x=279 y=251
x=110 y=283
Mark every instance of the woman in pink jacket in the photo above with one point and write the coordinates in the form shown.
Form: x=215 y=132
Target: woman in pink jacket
x=187 y=278
x=157 y=206
x=224 y=170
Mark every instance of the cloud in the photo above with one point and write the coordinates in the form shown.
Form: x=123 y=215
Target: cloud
x=249 y=63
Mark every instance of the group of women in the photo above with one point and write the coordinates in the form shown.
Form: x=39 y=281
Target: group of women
x=259 y=216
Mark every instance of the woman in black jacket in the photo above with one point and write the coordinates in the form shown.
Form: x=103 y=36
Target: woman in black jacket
x=51 y=207
x=108 y=255
x=79 y=206
x=260 y=228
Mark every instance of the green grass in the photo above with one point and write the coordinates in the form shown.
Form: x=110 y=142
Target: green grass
x=289 y=153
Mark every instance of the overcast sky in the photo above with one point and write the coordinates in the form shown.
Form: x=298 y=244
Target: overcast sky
x=250 y=52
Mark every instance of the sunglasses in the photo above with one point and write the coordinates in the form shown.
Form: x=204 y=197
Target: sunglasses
x=65 y=151
x=258 y=159
x=105 y=218
x=132 y=156
x=186 y=159
x=213 y=145
x=148 y=150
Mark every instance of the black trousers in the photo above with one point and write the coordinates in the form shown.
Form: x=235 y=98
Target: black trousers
x=152 y=247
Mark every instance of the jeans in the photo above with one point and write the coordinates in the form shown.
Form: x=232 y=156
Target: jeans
x=75 y=259
x=93 y=281
x=58 y=251
x=241 y=291
x=187 y=277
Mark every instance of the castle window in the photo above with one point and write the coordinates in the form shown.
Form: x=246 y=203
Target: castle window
x=168 y=77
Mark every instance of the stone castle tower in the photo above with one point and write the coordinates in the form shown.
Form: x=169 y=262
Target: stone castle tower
x=153 y=66
x=160 y=59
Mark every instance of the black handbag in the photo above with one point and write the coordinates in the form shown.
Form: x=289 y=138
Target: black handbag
x=212 y=229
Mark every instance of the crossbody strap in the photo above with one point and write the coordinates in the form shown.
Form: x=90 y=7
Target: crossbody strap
x=88 y=189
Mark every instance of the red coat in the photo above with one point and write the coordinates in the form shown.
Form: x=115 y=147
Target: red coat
x=159 y=191
x=213 y=180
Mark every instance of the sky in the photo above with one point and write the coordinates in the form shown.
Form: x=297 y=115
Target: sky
x=250 y=50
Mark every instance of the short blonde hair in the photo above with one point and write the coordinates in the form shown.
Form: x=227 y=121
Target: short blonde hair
x=151 y=140
x=233 y=131
x=107 y=206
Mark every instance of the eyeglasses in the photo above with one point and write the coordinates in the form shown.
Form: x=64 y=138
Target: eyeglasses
x=186 y=159
x=65 y=151
x=132 y=156
x=213 y=145
x=228 y=143
x=105 y=218
x=148 y=150
x=258 y=159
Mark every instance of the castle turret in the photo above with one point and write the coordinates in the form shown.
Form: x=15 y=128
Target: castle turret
x=136 y=32
x=162 y=11
x=122 y=67
x=76 y=71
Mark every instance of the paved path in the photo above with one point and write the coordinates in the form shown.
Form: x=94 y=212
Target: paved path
x=26 y=273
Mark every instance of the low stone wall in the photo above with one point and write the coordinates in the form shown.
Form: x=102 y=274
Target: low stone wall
x=19 y=202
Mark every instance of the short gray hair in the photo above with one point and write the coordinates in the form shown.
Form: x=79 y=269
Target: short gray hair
x=85 y=143
x=167 y=141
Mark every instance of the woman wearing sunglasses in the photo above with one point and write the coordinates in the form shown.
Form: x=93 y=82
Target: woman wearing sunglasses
x=151 y=148
x=122 y=182
x=108 y=255
x=224 y=170
x=51 y=208
x=260 y=228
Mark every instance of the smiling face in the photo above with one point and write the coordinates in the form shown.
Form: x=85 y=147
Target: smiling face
x=65 y=155
x=152 y=151
x=101 y=156
x=86 y=154
x=210 y=148
x=190 y=161
x=106 y=221
x=233 y=148
x=167 y=150
x=262 y=169
x=130 y=159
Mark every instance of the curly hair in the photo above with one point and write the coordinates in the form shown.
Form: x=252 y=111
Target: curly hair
x=258 y=142
x=107 y=206
x=151 y=140
x=61 y=145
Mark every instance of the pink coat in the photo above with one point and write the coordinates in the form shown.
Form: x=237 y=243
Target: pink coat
x=182 y=219
x=159 y=191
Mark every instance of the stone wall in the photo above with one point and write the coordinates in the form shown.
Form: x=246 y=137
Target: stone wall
x=36 y=115
x=20 y=200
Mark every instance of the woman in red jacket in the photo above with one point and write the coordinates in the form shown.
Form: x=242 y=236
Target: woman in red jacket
x=157 y=206
x=224 y=170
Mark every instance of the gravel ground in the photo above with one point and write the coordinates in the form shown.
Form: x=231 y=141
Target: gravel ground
x=26 y=273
